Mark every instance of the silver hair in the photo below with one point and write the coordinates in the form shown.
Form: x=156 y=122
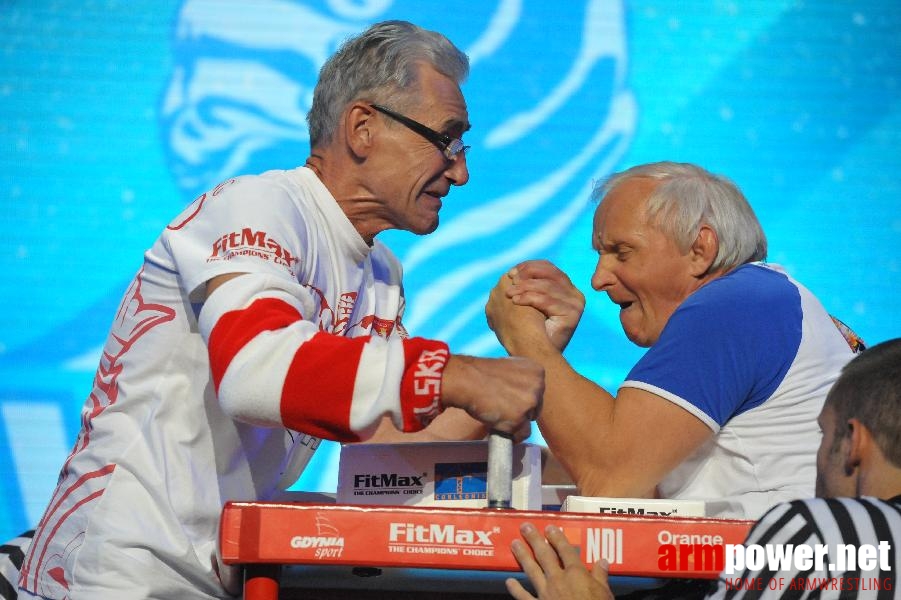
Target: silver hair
x=688 y=197
x=382 y=66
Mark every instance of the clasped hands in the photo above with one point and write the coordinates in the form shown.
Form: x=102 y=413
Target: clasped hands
x=534 y=303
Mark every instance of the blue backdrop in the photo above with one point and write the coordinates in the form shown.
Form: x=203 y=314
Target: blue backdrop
x=116 y=114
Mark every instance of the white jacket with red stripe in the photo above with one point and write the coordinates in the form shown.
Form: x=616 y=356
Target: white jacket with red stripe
x=198 y=402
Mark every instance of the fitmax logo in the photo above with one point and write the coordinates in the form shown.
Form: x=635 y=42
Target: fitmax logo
x=439 y=534
x=248 y=242
x=610 y=510
x=387 y=480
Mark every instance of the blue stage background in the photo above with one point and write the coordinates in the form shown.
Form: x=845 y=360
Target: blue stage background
x=116 y=114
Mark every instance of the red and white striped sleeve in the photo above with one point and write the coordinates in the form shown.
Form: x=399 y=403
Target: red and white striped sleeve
x=271 y=365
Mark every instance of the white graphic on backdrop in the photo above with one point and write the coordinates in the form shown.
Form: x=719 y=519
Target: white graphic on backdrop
x=238 y=98
x=547 y=96
x=551 y=114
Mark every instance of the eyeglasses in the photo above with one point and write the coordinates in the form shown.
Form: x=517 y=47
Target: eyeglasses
x=449 y=146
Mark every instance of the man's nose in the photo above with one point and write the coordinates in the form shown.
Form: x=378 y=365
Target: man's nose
x=458 y=171
x=603 y=277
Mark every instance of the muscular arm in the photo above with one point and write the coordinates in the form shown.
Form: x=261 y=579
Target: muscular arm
x=611 y=446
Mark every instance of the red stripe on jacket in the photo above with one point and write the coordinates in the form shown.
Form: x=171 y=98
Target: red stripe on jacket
x=319 y=387
x=318 y=390
x=236 y=328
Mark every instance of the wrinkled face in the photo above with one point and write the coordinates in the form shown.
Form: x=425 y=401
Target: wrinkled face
x=833 y=480
x=641 y=269
x=410 y=174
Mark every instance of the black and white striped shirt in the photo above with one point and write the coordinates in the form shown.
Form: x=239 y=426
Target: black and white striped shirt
x=838 y=525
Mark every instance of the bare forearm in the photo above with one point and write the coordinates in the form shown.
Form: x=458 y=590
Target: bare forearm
x=576 y=419
x=578 y=423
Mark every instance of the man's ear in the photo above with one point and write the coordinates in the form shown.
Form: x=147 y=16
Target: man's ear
x=859 y=444
x=358 y=129
x=703 y=251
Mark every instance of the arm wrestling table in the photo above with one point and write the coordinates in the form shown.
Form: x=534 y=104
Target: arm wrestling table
x=269 y=539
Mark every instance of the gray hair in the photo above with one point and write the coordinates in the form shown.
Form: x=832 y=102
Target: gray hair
x=688 y=197
x=381 y=65
x=869 y=389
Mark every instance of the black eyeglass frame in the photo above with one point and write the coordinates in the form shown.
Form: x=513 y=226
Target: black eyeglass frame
x=449 y=146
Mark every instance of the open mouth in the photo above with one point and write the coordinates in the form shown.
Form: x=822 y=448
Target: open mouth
x=623 y=304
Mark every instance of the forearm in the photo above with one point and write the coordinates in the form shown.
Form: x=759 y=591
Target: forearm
x=579 y=424
x=575 y=411
x=576 y=419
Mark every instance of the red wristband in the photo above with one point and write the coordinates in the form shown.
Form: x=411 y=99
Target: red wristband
x=420 y=389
